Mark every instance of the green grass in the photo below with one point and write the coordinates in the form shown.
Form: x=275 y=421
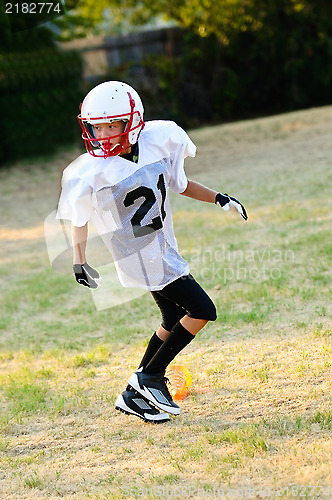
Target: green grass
x=259 y=410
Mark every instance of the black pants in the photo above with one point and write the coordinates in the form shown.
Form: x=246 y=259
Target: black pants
x=183 y=296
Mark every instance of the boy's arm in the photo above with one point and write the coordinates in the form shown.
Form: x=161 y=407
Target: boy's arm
x=80 y=236
x=84 y=274
x=199 y=192
x=203 y=193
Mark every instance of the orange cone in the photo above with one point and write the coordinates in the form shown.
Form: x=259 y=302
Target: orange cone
x=179 y=381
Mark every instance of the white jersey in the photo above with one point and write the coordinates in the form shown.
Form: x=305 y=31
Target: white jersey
x=129 y=204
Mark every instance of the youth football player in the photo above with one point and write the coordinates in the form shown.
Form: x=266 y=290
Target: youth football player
x=122 y=184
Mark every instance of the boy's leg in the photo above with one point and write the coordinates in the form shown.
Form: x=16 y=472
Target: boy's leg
x=187 y=294
x=154 y=344
x=130 y=401
x=133 y=403
x=191 y=297
x=171 y=313
x=179 y=337
x=150 y=380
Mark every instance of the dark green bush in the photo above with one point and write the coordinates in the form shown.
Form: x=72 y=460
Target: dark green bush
x=39 y=98
x=280 y=64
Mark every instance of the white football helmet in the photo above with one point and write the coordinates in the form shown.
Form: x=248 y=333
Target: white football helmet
x=105 y=103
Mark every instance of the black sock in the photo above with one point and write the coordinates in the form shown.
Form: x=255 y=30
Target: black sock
x=154 y=343
x=177 y=340
x=153 y=346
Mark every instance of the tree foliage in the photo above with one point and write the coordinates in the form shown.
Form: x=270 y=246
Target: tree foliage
x=241 y=58
x=206 y=17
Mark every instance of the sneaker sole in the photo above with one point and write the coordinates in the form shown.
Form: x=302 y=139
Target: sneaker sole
x=133 y=381
x=155 y=419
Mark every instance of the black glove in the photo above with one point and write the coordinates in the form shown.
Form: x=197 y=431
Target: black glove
x=229 y=203
x=86 y=275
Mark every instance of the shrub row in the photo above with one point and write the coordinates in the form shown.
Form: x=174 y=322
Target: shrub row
x=39 y=92
x=283 y=66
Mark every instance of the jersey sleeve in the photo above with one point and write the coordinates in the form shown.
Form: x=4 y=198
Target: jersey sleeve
x=75 y=201
x=181 y=146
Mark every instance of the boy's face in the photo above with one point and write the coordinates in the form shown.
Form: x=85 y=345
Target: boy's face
x=109 y=130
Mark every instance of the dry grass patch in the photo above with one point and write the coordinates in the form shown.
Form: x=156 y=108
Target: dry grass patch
x=258 y=418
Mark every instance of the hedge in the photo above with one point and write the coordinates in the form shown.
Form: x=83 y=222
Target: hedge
x=39 y=96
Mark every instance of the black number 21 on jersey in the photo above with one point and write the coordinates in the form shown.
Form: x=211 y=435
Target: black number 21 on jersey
x=149 y=200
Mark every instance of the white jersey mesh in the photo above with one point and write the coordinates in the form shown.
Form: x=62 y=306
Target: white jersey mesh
x=135 y=223
x=133 y=213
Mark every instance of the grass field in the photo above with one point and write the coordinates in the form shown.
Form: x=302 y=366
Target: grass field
x=258 y=420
